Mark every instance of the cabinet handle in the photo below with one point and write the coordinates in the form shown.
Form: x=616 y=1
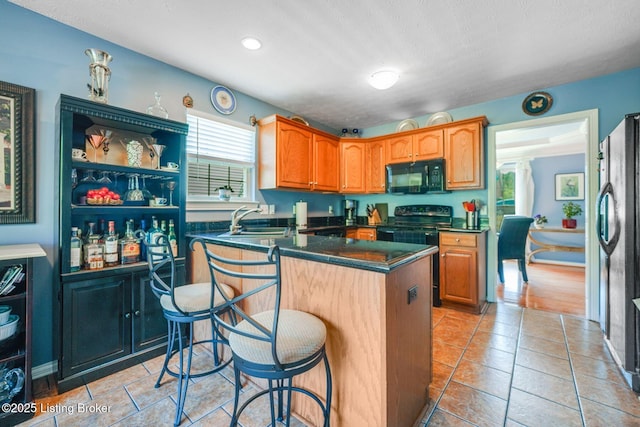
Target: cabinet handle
x=136 y=313
x=457 y=239
x=127 y=315
x=442 y=255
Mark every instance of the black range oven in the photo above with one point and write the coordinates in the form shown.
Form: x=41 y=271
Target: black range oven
x=419 y=224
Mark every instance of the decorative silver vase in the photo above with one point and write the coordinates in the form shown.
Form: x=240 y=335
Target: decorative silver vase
x=100 y=74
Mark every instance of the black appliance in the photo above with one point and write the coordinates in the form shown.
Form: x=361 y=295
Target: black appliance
x=618 y=230
x=416 y=178
x=419 y=224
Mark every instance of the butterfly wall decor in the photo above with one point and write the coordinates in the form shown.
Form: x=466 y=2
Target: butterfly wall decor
x=537 y=103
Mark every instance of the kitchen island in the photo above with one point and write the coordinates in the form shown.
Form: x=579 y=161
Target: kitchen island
x=374 y=297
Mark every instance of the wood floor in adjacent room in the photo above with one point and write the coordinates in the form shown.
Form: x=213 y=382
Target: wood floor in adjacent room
x=556 y=288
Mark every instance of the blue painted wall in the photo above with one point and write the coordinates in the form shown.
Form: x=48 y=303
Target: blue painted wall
x=49 y=57
x=543 y=171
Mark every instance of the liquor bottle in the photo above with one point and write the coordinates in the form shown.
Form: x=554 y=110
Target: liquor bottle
x=93 y=252
x=102 y=230
x=129 y=246
x=76 y=250
x=91 y=231
x=111 y=246
x=153 y=233
x=163 y=226
x=173 y=240
x=141 y=234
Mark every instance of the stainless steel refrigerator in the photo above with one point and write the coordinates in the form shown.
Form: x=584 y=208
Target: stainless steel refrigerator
x=618 y=227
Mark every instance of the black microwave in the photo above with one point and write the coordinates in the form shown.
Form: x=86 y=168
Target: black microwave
x=416 y=178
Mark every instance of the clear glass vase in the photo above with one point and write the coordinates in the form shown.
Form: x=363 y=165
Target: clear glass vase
x=156 y=109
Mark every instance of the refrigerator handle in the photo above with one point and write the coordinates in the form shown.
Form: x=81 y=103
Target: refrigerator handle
x=608 y=246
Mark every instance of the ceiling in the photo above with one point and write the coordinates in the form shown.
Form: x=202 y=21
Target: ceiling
x=317 y=55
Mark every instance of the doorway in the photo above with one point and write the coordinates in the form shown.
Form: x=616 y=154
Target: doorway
x=495 y=133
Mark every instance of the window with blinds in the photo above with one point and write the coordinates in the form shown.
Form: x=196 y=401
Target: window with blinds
x=219 y=154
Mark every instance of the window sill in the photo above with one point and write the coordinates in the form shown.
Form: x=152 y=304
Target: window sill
x=209 y=205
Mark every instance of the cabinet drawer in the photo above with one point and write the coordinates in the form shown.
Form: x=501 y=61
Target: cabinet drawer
x=459 y=239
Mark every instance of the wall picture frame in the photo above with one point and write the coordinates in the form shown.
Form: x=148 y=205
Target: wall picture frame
x=17 y=156
x=570 y=186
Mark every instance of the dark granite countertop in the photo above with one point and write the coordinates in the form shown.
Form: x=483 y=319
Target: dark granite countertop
x=362 y=254
x=464 y=229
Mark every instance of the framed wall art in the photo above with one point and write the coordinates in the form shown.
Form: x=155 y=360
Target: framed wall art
x=570 y=186
x=17 y=156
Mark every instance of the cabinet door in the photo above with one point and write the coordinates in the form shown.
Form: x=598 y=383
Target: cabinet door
x=326 y=166
x=352 y=168
x=463 y=151
x=458 y=271
x=400 y=149
x=375 y=167
x=149 y=324
x=366 y=234
x=293 y=156
x=96 y=320
x=428 y=145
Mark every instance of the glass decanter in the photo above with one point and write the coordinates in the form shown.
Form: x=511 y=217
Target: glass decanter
x=157 y=109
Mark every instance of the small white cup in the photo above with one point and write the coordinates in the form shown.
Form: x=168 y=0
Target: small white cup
x=172 y=165
x=78 y=153
x=161 y=201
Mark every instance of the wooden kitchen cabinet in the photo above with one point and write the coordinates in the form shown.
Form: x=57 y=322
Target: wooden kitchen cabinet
x=326 y=161
x=422 y=145
x=375 y=172
x=463 y=283
x=361 y=233
x=464 y=155
x=352 y=166
x=292 y=155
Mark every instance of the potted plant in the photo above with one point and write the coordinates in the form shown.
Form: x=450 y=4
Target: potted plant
x=570 y=210
x=224 y=192
x=539 y=221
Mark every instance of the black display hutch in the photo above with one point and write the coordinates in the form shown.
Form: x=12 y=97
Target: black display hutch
x=109 y=319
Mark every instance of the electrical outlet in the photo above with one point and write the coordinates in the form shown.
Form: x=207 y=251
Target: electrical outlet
x=412 y=294
x=330 y=209
x=264 y=209
x=272 y=209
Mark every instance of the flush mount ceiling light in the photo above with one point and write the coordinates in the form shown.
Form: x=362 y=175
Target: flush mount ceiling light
x=251 y=43
x=383 y=79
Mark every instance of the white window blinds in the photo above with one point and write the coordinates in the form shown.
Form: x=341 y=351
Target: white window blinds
x=219 y=154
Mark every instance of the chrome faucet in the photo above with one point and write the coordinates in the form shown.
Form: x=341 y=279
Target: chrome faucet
x=236 y=216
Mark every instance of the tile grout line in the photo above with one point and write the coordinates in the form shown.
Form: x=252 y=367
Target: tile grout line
x=435 y=406
x=573 y=372
x=513 y=367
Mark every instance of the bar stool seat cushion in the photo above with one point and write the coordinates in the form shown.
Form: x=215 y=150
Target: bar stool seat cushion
x=194 y=297
x=300 y=335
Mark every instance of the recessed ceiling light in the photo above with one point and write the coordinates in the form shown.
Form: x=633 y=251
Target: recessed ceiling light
x=383 y=79
x=251 y=43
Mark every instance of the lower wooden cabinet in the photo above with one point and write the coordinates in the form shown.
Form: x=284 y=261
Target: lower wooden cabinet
x=361 y=233
x=463 y=283
x=108 y=323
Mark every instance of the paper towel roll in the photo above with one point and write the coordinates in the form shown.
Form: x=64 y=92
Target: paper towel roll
x=301 y=214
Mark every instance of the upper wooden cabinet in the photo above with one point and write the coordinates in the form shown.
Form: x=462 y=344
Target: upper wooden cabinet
x=352 y=166
x=419 y=145
x=464 y=155
x=375 y=160
x=326 y=161
x=293 y=155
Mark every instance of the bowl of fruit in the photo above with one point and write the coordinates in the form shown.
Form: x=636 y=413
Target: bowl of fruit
x=103 y=196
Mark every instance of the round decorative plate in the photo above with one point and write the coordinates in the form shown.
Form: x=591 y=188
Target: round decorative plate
x=299 y=120
x=537 y=103
x=223 y=100
x=439 y=118
x=408 y=124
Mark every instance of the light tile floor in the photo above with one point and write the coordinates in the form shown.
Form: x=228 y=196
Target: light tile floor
x=507 y=367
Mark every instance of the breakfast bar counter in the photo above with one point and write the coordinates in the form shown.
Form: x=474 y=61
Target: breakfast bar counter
x=374 y=297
